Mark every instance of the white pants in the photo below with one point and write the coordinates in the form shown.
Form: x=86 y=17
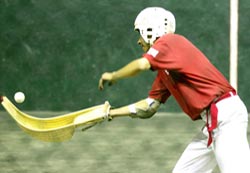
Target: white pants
x=230 y=148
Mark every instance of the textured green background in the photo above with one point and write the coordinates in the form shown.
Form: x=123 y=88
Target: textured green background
x=55 y=50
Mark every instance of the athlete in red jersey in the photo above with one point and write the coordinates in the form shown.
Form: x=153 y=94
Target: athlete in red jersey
x=201 y=90
x=185 y=73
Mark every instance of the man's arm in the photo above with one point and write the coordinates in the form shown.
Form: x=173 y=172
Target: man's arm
x=129 y=70
x=143 y=109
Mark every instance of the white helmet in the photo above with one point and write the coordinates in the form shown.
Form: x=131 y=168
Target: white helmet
x=154 y=22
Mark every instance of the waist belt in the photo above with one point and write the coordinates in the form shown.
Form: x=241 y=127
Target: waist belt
x=212 y=123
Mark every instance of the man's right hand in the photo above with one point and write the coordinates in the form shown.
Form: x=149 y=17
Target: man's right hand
x=107 y=77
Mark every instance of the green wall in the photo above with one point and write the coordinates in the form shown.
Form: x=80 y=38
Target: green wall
x=55 y=51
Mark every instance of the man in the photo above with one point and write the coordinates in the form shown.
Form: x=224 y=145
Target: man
x=202 y=92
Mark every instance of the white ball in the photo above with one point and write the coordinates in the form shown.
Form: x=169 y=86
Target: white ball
x=19 y=97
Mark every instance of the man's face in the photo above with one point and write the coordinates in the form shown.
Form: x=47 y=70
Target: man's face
x=145 y=46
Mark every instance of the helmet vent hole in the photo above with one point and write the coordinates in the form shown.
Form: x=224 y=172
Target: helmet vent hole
x=166 y=22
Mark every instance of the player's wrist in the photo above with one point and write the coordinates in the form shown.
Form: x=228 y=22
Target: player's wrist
x=114 y=76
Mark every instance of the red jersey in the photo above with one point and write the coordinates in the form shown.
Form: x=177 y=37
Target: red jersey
x=185 y=73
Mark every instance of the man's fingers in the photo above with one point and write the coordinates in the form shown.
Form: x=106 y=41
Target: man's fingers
x=101 y=84
x=106 y=78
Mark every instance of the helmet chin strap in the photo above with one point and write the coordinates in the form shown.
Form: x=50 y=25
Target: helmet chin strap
x=153 y=41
